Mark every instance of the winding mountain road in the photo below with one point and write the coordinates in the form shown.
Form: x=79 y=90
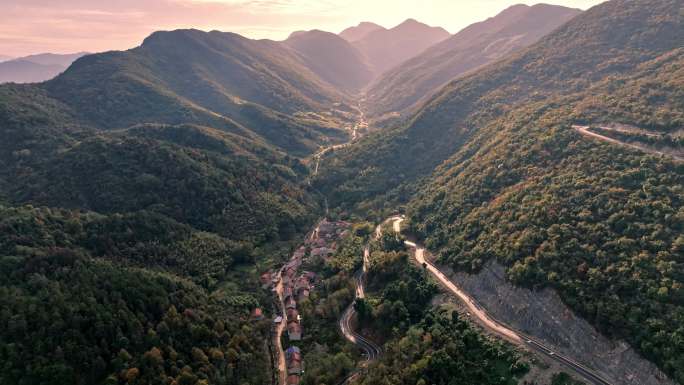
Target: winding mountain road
x=361 y=123
x=492 y=324
x=370 y=349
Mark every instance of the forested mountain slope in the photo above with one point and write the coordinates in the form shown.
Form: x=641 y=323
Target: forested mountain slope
x=130 y=209
x=612 y=40
x=333 y=59
x=94 y=299
x=481 y=43
x=211 y=179
x=491 y=168
x=215 y=79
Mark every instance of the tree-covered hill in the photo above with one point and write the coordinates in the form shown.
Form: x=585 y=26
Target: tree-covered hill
x=207 y=178
x=255 y=88
x=120 y=279
x=490 y=168
x=69 y=318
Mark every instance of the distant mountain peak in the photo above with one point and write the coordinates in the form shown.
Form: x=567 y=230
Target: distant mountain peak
x=360 y=31
x=514 y=28
x=313 y=32
x=366 y=24
x=333 y=58
x=36 y=68
x=386 y=48
x=517 y=6
x=297 y=33
x=411 y=21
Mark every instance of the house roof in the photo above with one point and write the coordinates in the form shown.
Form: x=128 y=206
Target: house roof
x=257 y=313
x=292 y=314
x=294 y=327
x=290 y=302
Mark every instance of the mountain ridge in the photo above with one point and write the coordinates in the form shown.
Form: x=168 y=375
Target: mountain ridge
x=476 y=45
x=230 y=82
x=35 y=68
x=333 y=59
x=386 y=48
x=359 y=31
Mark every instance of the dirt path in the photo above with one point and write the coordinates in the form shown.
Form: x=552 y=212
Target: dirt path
x=585 y=131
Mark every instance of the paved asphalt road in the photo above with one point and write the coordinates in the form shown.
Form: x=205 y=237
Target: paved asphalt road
x=492 y=324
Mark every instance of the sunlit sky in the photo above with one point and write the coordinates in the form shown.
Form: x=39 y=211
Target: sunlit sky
x=64 y=26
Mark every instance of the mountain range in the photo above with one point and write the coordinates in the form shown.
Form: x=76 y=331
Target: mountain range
x=358 y=32
x=479 y=44
x=35 y=68
x=386 y=48
x=143 y=193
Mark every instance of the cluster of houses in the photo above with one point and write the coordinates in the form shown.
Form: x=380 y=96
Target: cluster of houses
x=323 y=241
x=297 y=287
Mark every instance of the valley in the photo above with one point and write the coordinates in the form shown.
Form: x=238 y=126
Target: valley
x=384 y=206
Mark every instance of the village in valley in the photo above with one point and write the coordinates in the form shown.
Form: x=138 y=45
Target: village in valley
x=290 y=286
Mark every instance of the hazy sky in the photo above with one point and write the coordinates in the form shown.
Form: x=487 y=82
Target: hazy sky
x=32 y=26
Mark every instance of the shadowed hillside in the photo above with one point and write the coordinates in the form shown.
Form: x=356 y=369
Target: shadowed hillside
x=332 y=58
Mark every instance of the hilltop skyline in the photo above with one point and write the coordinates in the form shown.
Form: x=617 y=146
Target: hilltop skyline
x=36 y=26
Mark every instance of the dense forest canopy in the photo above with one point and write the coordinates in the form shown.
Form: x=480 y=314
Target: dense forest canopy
x=130 y=208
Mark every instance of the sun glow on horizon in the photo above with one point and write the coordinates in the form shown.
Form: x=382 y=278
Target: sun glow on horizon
x=32 y=26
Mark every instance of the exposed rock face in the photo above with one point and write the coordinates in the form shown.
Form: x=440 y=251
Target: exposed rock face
x=543 y=315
